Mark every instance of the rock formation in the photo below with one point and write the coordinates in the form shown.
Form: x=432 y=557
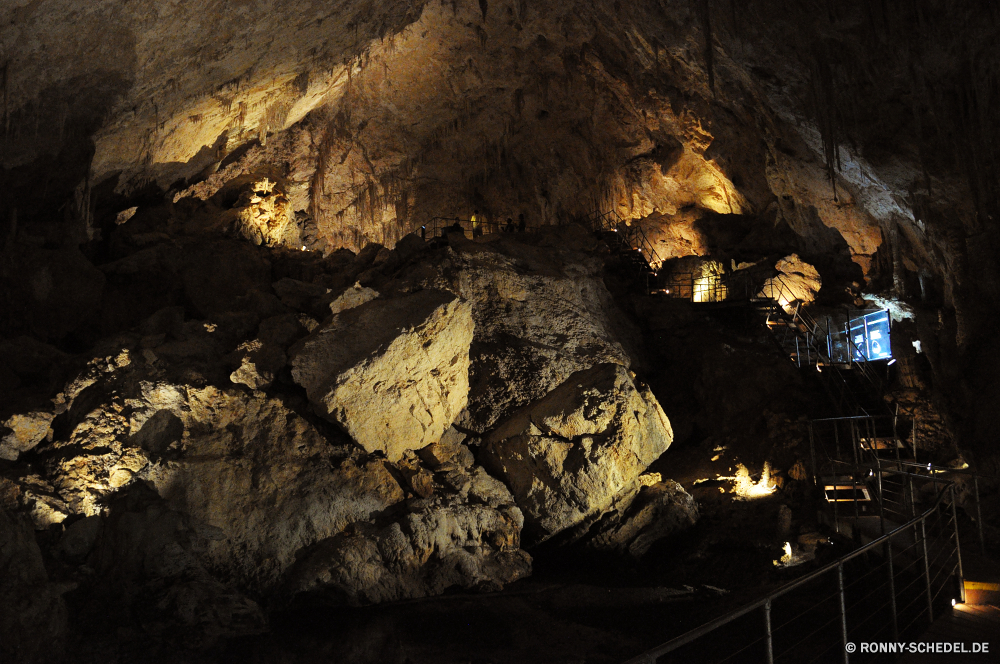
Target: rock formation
x=575 y=454
x=393 y=372
x=251 y=360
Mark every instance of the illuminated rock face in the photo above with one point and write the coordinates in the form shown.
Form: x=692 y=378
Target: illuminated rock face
x=577 y=454
x=25 y=431
x=541 y=315
x=393 y=372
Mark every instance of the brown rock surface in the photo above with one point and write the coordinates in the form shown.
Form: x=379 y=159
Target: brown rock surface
x=577 y=453
x=437 y=545
x=393 y=373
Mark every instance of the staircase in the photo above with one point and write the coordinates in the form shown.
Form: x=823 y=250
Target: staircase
x=631 y=245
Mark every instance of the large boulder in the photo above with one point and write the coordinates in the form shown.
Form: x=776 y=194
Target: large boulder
x=577 y=454
x=662 y=508
x=542 y=312
x=439 y=543
x=798 y=281
x=25 y=431
x=262 y=477
x=394 y=373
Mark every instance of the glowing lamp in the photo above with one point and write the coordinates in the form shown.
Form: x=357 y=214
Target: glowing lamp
x=953 y=602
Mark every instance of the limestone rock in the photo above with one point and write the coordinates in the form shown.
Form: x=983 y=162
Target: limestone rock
x=542 y=312
x=659 y=510
x=448 y=449
x=260 y=363
x=264 y=478
x=263 y=215
x=26 y=431
x=393 y=373
x=354 y=296
x=439 y=544
x=578 y=452
x=799 y=281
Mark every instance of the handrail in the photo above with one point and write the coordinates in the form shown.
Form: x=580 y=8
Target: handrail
x=631 y=235
x=650 y=656
x=488 y=227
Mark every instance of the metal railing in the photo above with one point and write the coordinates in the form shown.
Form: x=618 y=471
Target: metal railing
x=883 y=590
x=629 y=235
x=861 y=435
x=440 y=226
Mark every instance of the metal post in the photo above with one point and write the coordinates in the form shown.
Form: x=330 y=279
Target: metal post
x=895 y=436
x=836 y=437
x=958 y=547
x=836 y=499
x=770 y=641
x=843 y=612
x=868 y=343
x=979 y=515
x=812 y=454
x=855 y=442
x=892 y=589
x=927 y=571
x=913 y=498
x=881 y=500
x=914 y=436
x=829 y=342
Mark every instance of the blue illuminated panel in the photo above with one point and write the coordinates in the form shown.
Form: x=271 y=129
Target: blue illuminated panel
x=870 y=337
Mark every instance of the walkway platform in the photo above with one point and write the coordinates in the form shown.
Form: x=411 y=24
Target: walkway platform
x=964 y=624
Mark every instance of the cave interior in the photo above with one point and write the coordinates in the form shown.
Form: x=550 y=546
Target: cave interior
x=432 y=331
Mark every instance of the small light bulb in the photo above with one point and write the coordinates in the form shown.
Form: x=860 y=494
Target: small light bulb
x=953 y=602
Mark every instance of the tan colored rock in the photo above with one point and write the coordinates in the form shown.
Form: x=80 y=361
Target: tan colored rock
x=393 y=373
x=798 y=282
x=542 y=312
x=659 y=510
x=354 y=296
x=260 y=363
x=577 y=453
x=438 y=545
x=263 y=215
x=267 y=480
x=26 y=431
